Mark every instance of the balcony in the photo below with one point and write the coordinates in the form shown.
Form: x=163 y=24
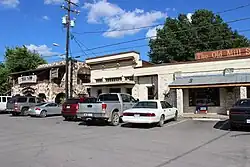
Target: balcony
x=27 y=79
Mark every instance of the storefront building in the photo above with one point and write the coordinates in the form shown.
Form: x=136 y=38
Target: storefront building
x=48 y=81
x=216 y=79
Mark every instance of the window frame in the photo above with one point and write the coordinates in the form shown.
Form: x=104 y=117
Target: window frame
x=196 y=92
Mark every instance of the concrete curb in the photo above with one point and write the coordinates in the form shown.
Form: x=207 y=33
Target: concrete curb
x=207 y=119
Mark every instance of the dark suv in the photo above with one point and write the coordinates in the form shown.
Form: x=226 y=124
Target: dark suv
x=19 y=105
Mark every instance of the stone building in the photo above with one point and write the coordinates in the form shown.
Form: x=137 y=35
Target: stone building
x=48 y=80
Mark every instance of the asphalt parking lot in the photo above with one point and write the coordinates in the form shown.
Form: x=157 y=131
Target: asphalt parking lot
x=52 y=142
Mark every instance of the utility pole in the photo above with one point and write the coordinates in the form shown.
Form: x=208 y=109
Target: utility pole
x=67 y=22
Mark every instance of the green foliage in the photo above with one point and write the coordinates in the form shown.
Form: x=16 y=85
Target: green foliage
x=21 y=59
x=17 y=59
x=181 y=38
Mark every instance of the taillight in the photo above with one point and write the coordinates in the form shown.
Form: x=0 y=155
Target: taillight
x=77 y=106
x=37 y=109
x=150 y=115
x=125 y=114
x=16 y=106
x=104 y=106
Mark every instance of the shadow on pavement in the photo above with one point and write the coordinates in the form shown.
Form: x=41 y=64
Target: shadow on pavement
x=138 y=126
x=94 y=123
x=224 y=125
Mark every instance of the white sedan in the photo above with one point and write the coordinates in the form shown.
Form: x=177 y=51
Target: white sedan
x=150 y=111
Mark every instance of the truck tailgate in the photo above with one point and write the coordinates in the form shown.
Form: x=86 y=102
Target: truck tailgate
x=91 y=108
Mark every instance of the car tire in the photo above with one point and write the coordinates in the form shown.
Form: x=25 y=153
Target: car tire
x=43 y=114
x=233 y=126
x=24 y=111
x=176 y=116
x=115 y=119
x=162 y=121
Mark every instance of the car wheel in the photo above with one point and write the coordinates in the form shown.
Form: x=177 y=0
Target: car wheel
x=115 y=120
x=24 y=111
x=161 y=122
x=233 y=126
x=43 y=114
x=176 y=116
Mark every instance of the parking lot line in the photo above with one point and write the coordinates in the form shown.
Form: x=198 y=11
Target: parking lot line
x=176 y=123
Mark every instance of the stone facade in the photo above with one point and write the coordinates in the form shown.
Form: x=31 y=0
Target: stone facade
x=51 y=89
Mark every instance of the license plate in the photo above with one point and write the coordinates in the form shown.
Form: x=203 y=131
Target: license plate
x=68 y=107
x=137 y=115
x=203 y=108
x=248 y=121
x=87 y=115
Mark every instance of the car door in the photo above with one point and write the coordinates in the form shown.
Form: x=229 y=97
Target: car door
x=49 y=108
x=125 y=102
x=54 y=109
x=171 y=110
x=164 y=110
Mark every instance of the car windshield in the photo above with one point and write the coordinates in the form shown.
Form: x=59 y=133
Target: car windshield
x=243 y=103
x=41 y=104
x=146 y=104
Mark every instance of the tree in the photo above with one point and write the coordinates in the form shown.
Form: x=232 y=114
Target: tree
x=17 y=59
x=181 y=38
x=21 y=59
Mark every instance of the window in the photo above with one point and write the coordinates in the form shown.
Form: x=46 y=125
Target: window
x=151 y=93
x=8 y=98
x=163 y=105
x=167 y=104
x=52 y=105
x=132 y=99
x=243 y=103
x=0 y=99
x=3 y=99
x=41 y=104
x=146 y=104
x=115 y=90
x=108 y=97
x=125 y=98
x=129 y=91
x=21 y=99
x=206 y=96
x=32 y=100
x=99 y=91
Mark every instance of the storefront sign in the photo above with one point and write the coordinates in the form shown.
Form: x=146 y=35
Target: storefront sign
x=54 y=73
x=223 y=53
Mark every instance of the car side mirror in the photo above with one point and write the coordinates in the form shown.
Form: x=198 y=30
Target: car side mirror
x=137 y=100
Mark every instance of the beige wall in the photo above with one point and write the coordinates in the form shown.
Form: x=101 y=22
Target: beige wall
x=165 y=73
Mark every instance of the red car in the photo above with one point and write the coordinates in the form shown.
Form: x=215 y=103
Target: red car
x=71 y=107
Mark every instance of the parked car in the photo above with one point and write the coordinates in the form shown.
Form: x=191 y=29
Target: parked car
x=239 y=114
x=150 y=111
x=45 y=109
x=3 y=102
x=71 y=107
x=109 y=107
x=19 y=105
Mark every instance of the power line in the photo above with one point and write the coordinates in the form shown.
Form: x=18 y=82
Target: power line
x=163 y=47
x=151 y=26
x=144 y=38
x=79 y=43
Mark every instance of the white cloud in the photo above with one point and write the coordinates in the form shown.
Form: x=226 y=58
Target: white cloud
x=56 y=2
x=10 y=3
x=116 y=18
x=45 y=18
x=189 y=16
x=153 y=31
x=43 y=50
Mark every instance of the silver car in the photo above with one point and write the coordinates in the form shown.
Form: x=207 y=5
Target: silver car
x=45 y=109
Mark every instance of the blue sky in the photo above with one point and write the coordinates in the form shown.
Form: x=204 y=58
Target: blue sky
x=37 y=23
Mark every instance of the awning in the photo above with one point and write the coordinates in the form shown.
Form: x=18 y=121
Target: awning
x=110 y=83
x=229 y=80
